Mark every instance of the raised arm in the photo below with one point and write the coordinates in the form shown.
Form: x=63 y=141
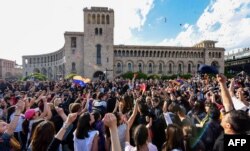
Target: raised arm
x=132 y=117
x=231 y=88
x=226 y=98
x=110 y=121
x=54 y=145
x=61 y=113
x=12 y=126
x=70 y=119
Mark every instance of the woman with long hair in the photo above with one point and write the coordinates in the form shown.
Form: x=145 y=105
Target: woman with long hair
x=141 y=140
x=174 y=137
x=43 y=138
x=85 y=138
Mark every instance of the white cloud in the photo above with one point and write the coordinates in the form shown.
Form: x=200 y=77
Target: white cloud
x=37 y=27
x=225 y=21
x=185 y=26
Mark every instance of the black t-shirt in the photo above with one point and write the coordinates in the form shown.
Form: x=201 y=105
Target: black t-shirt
x=111 y=104
x=219 y=143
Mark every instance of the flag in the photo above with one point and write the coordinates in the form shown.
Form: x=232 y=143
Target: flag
x=143 y=87
x=86 y=80
x=208 y=69
x=79 y=81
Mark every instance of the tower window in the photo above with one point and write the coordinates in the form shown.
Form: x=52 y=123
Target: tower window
x=107 y=19
x=73 y=42
x=93 y=18
x=96 y=31
x=89 y=18
x=100 y=31
x=98 y=18
x=98 y=54
x=73 y=68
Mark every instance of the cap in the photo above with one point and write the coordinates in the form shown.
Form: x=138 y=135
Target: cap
x=30 y=113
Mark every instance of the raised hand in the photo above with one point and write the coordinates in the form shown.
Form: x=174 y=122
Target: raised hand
x=71 y=118
x=110 y=120
x=221 y=78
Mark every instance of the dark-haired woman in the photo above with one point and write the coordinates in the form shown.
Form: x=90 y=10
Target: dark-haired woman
x=174 y=137
x=85 y=138
x=43 y=138
x=140 y=139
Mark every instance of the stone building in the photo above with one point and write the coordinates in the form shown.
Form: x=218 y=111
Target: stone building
x=92 y=53
x=9 y=70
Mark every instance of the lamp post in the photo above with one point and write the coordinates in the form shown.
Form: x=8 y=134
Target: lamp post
x=106 y=73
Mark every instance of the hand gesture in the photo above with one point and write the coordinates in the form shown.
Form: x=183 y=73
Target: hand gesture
x=110 y=120
x=44 y=99
x=71 y=118
x=59 y=110
x=221 y=78
x=20 y=105
x=138 y=99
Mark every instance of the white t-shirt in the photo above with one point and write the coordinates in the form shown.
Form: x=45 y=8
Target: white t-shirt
x=129 y=147
x=19 y=123
x=238 y=105
x=84 y=144
x=122 y=134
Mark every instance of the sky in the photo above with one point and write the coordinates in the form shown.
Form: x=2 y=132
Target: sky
x=32 y=27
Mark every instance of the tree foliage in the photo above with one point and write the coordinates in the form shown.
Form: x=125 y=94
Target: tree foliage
x=35 y=76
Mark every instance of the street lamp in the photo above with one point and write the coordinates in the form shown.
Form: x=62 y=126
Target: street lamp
x=106 y=73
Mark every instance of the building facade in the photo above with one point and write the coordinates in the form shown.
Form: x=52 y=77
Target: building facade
x=92 y=53
x=238 y=60
x=9 y=70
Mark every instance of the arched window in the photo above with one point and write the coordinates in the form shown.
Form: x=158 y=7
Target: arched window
x=135 y=53
x=131 y=53
x=127 y=53
x=93 y=18
x=103 y=19
x=179 y=68
x=150 y=68
x=89 y=19
x=130 y=68
x=98 y=19
x=142 y=54
x=107 y=19
x=170 y=68
x=189 y=68
x=140 y=67
x=160 y=68
x=119 y=68
x=198 y=66
x=98 y=54
x=96 y=31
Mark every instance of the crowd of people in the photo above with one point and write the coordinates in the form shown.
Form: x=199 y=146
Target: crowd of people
x=144 y=115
